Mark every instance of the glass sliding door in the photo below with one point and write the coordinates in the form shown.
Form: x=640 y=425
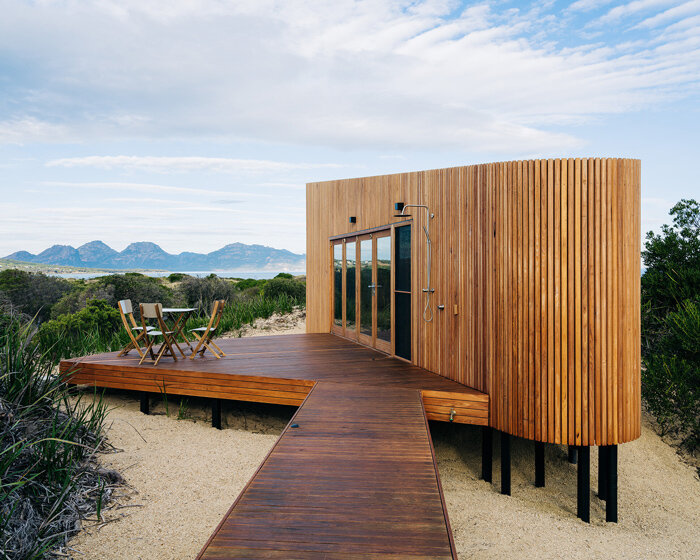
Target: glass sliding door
x=364 y=297
x=350 y=289
x=338 y=288
x=402 y=292
x=366 y=301
x=383 y=288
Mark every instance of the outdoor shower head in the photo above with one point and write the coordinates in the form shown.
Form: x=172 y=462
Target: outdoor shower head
x=400 y=209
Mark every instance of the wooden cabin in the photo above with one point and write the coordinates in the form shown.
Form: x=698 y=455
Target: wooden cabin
x=519 y=279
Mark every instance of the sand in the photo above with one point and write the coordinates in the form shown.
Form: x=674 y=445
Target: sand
x=184 y=475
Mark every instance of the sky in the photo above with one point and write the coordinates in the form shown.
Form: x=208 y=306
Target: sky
x=197 y=123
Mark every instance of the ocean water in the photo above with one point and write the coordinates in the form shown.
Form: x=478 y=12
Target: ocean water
x=258 y=275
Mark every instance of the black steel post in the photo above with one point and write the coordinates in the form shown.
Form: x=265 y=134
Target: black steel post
x=603 y=469
x=505 y=463
x=145 y=402
x=216 y=413
x=573 y=455
x=486 y=453
x=539 y=464
x=583 y=493
x=611 y=503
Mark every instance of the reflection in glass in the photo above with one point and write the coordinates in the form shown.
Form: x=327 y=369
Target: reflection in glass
x=384 y=288
x=403 y=259
x=338 y=285
x=366 y=290
x=350 y=258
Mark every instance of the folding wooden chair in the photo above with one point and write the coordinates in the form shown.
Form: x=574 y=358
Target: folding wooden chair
x=127 y=313
x=204 y=334
x=151 y=311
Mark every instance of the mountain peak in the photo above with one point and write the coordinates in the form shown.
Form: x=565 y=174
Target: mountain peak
x=149 y=255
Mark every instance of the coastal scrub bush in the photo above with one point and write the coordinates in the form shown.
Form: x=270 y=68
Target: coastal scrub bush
x=176 y=277
x=671 y=324
x=201 y=292
x=78 y=298
x=138 y=288
x=97 y=326
x=245 y=284
x=287 y=286
x=49 y=480
x=32 y=293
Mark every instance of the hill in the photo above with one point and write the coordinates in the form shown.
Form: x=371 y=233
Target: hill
x=147 y=255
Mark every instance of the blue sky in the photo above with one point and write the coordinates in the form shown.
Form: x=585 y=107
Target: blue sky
x=196 y=123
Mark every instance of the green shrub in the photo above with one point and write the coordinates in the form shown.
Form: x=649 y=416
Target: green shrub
x=245 y=284
x=176 y=277
x=201 y=292
x=32 y=293
x=284 y=275
x=671 y=324
x=285 y=286
x=97 y=325
x=48 y=480
x=138 y=288
x=78 y=298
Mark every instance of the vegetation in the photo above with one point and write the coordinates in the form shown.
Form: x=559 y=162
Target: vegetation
x=48 y=479
x=79 y=317
x=285 y=286
x=671 y=324
x=32 y=293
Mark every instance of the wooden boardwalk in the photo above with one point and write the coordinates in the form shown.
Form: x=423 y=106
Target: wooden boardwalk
x=355 y=480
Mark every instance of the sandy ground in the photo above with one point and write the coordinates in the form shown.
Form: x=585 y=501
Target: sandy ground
x=183 y=476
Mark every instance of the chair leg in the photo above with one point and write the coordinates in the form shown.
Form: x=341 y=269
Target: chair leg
x=149 y=348
x=199 y=344
x=206 y=344
x=219 y=349
x=163 y=347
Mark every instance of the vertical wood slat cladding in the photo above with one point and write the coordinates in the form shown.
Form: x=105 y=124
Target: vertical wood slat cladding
x=537 y=265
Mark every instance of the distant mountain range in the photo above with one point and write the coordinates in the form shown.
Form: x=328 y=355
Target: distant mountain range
x=146 y=255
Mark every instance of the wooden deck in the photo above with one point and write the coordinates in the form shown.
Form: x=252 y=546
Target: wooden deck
x=355 y=480
x=281 y=370
x=353 y=476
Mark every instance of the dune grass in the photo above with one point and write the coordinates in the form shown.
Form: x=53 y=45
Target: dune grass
x=48 y=439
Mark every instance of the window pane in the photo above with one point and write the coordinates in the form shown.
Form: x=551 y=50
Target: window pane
x=350 y=259
x=384 y=288
x=365 y=289
x=403 y=258
x=338 y=285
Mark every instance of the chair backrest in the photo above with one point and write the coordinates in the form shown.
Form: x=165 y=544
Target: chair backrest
x=127 y=315
x=219 y=312
x=125 y=306
x=151 y=310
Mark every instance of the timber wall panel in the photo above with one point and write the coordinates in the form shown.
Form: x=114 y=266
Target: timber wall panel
x=538 y=266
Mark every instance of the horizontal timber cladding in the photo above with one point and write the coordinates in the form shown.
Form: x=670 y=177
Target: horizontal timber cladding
x=538 y=266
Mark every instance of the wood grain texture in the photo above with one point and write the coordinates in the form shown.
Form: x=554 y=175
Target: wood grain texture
x=281 y=370
x=542 y=261
x=340 y=485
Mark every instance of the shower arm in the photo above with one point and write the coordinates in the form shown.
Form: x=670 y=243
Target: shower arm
x=427 y=311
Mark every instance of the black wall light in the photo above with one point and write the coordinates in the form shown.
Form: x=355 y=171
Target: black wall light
x=398 y=206
x=353 y=220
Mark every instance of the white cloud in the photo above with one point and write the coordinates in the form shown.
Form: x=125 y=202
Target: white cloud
x=626 y=10
x=163 y=164
x=29 y=130
x=382 y=75
x=150 y=188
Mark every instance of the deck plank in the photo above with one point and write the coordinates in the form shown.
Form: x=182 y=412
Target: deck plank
x=356 y=479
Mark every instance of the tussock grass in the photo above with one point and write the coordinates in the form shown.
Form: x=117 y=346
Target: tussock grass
x=49 y=480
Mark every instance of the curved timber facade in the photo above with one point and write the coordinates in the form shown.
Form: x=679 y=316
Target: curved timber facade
x=536 y=267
